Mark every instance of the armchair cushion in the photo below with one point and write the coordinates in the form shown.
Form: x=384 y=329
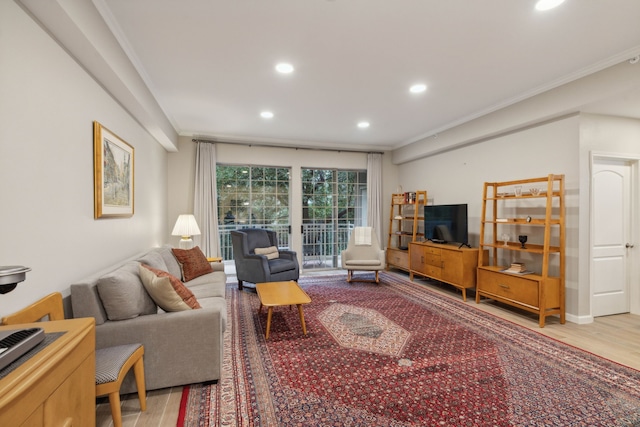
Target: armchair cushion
x=271 y=252
x=280 y=265
x=363 y=263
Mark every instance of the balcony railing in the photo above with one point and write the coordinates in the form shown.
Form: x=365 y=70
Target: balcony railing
x=321 y=243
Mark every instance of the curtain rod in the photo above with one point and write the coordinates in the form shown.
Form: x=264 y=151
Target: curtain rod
x=248 y=144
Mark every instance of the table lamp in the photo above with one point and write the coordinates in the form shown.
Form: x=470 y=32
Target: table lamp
x=186 y=226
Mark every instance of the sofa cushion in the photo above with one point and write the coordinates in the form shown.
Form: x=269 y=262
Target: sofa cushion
x=173 y=267
x=123 y=295
x=192 y=262
x=209 y=285
x=167 y=290
x=271 y=252
x=155 y=260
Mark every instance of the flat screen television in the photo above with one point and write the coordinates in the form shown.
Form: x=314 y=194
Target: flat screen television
x=446 y=224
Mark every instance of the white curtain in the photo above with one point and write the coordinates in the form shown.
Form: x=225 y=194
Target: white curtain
x=205 y=197
x=374 y=193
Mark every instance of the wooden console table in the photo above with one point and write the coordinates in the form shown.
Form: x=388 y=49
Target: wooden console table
x=446 y=263
x=56 y=386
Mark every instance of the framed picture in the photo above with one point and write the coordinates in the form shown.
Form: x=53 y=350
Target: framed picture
x=112 y=174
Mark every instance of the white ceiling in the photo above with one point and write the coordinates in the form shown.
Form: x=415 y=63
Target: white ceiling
x=210 y=63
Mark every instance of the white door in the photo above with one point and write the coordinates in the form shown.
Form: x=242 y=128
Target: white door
x=611 y=237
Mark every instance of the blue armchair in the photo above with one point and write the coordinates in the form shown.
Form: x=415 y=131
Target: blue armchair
x=270 y=265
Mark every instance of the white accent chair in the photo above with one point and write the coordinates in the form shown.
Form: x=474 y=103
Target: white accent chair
x=363 y=253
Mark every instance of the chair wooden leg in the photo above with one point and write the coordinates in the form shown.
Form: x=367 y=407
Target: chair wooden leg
x=116 y=413
x=377 y=277
x=112 y=388
x=138 y=371
x=349 y=276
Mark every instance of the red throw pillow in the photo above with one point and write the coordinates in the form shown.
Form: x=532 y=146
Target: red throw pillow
x=192 y=262
x=183 y=292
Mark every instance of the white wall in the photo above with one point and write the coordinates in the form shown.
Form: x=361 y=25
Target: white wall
x=457 y=176
x=47 y=106
x=182 y=163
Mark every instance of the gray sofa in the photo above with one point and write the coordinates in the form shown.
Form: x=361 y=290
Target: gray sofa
x=181 y=347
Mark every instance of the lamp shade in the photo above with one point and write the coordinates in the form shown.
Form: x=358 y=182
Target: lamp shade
x=186 y=225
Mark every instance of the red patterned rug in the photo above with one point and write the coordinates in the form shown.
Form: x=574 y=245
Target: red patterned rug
x=398 y=354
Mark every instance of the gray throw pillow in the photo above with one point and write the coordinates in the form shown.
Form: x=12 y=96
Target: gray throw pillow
x=123 y=295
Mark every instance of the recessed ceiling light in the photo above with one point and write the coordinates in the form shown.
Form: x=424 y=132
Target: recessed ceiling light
x=548 y=4
x=266 y=115
x=418 y=88
x=284 y=68
x=363 y=125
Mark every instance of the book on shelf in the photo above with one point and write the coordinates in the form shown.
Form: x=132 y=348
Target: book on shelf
x=517 y=268
x=410 y=197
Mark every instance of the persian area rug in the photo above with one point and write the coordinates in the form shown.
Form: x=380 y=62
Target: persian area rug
x=399 y=354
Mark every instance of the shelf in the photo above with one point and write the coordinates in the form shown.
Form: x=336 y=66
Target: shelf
x=523 y=221
x=498 y=269
x=541 y=180
x=515 y=246
x=512 y=196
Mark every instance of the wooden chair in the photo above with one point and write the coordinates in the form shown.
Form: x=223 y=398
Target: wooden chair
x=112 y=363
x=51 y=306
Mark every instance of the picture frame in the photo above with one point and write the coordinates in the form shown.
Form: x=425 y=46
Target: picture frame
x=113 y=174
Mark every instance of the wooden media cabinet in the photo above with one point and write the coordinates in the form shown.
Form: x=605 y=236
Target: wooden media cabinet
x=446 y=263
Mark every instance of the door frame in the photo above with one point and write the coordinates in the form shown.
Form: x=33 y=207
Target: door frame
x=632 y=270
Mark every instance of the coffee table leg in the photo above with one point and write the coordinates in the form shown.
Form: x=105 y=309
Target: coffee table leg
x=269 y=311
x=304 y=326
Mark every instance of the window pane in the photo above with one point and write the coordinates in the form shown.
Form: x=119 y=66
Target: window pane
x=252 y=196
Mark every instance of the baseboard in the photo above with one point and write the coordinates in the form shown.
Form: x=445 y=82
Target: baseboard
x=580 y=320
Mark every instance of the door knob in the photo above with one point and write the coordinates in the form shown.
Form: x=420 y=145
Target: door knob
x=628 y=246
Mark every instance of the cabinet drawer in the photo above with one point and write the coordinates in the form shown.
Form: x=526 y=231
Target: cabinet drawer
x=434 y=260
x=430 y=250
x=432 y=271
x=515 y=288
x=398 y=258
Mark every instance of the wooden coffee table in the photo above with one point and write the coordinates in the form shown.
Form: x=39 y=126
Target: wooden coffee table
x=274 y=294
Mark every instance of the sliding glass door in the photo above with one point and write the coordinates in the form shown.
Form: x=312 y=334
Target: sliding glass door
x=333 y=202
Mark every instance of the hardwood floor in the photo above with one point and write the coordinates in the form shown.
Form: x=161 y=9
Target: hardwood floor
x=162 y=409
x=616 y=338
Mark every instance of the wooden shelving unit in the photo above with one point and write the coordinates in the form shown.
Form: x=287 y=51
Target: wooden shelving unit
x=405 y=217
x=544 y=216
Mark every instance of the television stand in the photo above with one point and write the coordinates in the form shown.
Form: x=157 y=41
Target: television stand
x=438 y=241
x=446 y=263
x=464 y=244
